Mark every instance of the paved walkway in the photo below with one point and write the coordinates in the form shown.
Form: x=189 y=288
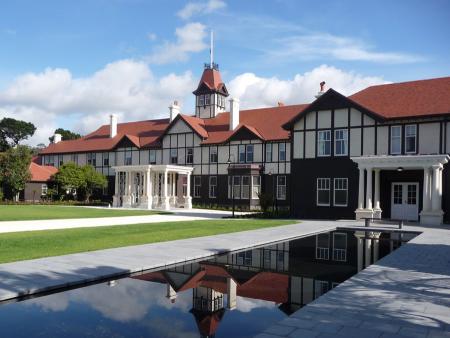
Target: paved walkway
x=176 y=216
x=405 y=294
x=39 y=275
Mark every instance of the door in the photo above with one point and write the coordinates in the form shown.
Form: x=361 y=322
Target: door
x=405 y=201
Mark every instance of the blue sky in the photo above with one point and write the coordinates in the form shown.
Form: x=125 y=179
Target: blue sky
x=57 y=55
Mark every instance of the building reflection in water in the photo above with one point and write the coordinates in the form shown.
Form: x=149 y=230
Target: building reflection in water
x=289 y=274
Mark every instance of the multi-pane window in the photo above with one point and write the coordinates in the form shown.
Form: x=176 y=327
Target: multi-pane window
x=281 y=187
x=323 y=191
x=281 y=152
x=106 y=159
x=410 y=138
x=212 y=186
x=244 y=258
x=339 y=246
x=91 y=159
x=249 y=153
x=398 y=194
x=201 y=100
x=320 y=287
x=44 y=189
x=412 y=194
x=245 y=190
x=189 y=155
x=128 y=157
x=197 y=185
x=256 y=186
x=242 y=153
x=341 y=142
x=268 y=152
x=236 y=187
x=324 y=143
x=152 y=156
x=322 y=246
x=174 y=156
x=340 y=192
x=213 y=154
x=396 y=140
x=207 y=99
x=184 y=185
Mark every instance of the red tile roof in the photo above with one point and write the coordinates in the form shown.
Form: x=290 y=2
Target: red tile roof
x=41 y=173
x=212 y=79
x=407 y=99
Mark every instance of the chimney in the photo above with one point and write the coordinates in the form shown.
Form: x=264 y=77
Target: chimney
x=112 y=125
x=174 y=110
x=57 y=138
x=234 y=113
x=322 y=90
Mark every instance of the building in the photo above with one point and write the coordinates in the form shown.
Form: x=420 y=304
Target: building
x=41 y=178
x=381 y=152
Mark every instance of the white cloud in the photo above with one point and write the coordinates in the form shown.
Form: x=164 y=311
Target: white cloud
x=152 y=36
x=313 y=46
x=189 y=39
x=255 y=91
x=196 y=8
x=125 y=87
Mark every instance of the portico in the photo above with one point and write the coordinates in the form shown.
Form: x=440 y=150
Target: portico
x=404 y=194
x=152 y=186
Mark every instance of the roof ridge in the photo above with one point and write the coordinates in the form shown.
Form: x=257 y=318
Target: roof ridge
x=402 y=83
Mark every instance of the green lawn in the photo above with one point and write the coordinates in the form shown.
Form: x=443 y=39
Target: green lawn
x=35 y=244
x=35 y=212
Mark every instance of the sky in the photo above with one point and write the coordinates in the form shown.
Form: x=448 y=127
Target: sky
x=70 y=64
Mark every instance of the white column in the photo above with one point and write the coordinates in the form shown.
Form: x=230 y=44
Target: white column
x=149 y=184
x=116 y=183
x=435 y=202
x=188 y=198
x=369 y=189
x=361 y=188
x=231 y=294
x=377 y=188
x=426 y=200
x=165 y=184
x=441 y=169
x=165 y=204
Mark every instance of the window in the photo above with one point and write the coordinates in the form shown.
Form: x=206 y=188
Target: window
x=212 y=186
x=197 y=185
x=410 y=138
x=281 y=152
x=244 y=258
x=128 y=157
x=91 y=159
x=322 y=246
x=320 y=287
x=339 y=247
x=323 y=191
x=256 y=186
x=249 y=152
x=44 y=189
x=189 y=155
x=269 y=152
x=412 y=194
x=245 y=190
x=341 y=142
x=106 y=159
x=324 y=143
x=61 y=162
x=74 y=158
x=152 y=156
x=213 y=154
x=173 y=156
x=340 y=192
x=281 y=187
x=207 y=100
x=242 y=153
x=237 y=187
x=184 y=184
x=396 y=140
x=201 y=100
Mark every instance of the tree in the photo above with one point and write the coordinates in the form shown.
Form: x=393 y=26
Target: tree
x=265 y=201
x=13 y=131
x=14 y=170
x=70 y=176
x=65 y=134
x=92 y=180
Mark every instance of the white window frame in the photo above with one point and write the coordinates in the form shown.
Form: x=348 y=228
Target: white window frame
x=237 y=181
x=340 y=255
x=197 y=186
x=269 y=151
x=399 y=138
x=335 y=188
x=282 y=150
x=242 y=151
x=213 y=155
x=44 y=189
x=207 y=100
x=324 y=141
x=281 y=188
x=173 y=151
x=201 y=100
x=322 y=252
x=409 y=136
x=324 y=179
x=152 y=153
x=344 y=141
x=212 y=187
x=256 y=187
x=248 y=152
x=245 y=188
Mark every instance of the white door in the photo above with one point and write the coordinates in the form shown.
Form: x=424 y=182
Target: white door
x=405 y=201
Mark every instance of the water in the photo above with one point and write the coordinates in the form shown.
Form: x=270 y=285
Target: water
x=234 y=295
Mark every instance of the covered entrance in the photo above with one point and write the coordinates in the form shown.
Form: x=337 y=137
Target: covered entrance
x=152 y=187
x=406 y=196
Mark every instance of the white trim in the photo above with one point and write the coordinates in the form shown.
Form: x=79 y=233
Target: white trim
x=399 y=137
x=212 y=185
x=346 y=247
x=405 y=161
x=323 y=248
x=326 y=140
x=415 y=138
x=343 y=140
x=334 y=191
x=317 y=192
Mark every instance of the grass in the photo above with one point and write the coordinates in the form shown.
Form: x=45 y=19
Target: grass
x=39 y=212
x=18 y=246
